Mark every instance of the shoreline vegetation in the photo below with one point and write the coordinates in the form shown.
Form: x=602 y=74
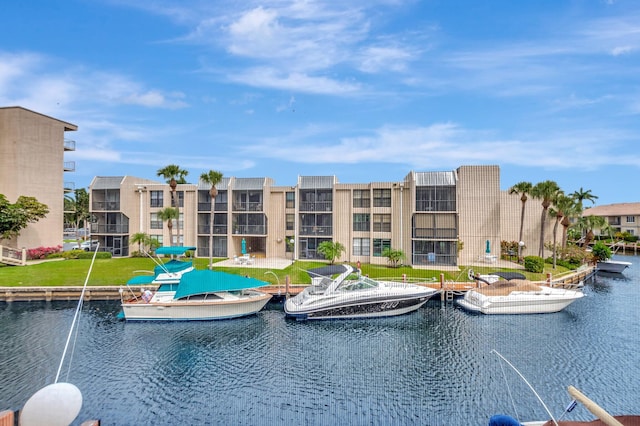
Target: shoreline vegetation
x=117 y=271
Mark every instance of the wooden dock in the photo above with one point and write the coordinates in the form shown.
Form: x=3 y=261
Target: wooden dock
x=448 y=289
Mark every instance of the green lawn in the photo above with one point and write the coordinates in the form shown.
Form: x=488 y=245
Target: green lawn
x=119 y=270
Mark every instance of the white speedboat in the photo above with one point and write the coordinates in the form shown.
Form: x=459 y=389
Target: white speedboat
x=199 y=295
x=613 y=266
x=518 y=297
x=359 y=298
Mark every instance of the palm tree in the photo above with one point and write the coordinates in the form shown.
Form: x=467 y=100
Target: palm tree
x=544 y=191
x=582 y=195
x=587 y=224
x=571 y=211
x=212 y=178
x=393 y=256
x=141 y=238
x=523 y=189
x=174 y=176
x=331 y=250
x=169 y=214
x=561 y=204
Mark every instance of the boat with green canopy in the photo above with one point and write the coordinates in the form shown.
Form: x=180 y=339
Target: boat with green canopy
x=184 y=293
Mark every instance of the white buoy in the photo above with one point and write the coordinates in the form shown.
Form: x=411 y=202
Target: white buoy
x=54 y=405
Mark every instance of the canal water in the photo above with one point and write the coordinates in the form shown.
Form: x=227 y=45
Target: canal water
x=431 y=367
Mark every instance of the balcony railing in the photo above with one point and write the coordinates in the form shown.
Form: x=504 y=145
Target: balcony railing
x=436 y=206
x=219 y=207
x=97 y=228
x=446 y=233
x=69 y=187
x=217 y=229
x=247 y=207
x=250 y=229
x=316 y=230
x=69 y=166
x=69 y=145
x=105 y=205
x=316 y=206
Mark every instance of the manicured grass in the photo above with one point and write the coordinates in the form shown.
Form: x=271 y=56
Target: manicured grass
x=119 y=270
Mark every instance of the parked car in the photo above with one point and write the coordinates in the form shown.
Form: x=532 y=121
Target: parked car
x=89 y=245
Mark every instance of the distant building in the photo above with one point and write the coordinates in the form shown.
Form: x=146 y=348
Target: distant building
x=622 y=217
x=32 y=147
x=426 y=215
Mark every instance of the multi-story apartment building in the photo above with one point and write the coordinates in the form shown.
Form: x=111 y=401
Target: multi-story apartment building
x=32 y=147
x=622 y=217
x=427 y=215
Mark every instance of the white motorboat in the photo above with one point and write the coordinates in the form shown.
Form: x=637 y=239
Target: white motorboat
x=178 y=292
x=518 y=297
x=362 y=297
x=613 y=266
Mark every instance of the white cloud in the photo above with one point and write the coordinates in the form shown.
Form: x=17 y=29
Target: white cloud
x=297 y=82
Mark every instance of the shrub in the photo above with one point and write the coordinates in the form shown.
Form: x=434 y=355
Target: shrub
x=600 y=251
x=42 y=252
x=534 y=264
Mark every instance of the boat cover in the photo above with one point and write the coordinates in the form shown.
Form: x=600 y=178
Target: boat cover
x=141 y=279
x=509 y=275
x=206 y=281
x=174 y=250
x=172 y=266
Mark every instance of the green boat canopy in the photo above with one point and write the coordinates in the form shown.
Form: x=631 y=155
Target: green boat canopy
x=174 y=250
x=141 y=279
x=172 y=266
x=206 y=281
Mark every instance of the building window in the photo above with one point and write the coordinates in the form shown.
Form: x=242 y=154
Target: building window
x=382 y=198
x=361 y=198
x=291 y=200
x=156 y=223
x=361 y=221
x=157 y=239
x=379 y=245
x=291 y=218
x=156 y=198
x=361 y=247
x=631 y=219
x=381 y=223
x=178 y=240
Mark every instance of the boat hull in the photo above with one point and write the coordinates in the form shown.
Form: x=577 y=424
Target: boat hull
x=196 y=310
x=613 y=266
x=542 y=303
x=353 y=309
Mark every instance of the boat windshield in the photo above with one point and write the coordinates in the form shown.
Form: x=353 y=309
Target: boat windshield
x=320 y=287
x=363 y=283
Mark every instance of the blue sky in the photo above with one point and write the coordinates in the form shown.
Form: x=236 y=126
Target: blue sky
x=365 y=90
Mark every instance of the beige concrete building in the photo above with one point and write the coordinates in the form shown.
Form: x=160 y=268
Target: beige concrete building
x=32 y=163
x=426 y=215
x=622 y=217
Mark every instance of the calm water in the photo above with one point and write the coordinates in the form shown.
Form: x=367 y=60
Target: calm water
x=432 y=367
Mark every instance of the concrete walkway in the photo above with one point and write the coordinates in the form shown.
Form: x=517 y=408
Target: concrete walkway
x=257 y=262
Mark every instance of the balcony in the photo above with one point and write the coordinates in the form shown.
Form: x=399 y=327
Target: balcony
x=323 y=231
x=69 y=145
x=217 y=229
x=69 y=187
x=250 y=229
x=69 y=166
x=105 y=206
x=316 y=206
x=247 y=207
x=219 y=207
x=97 y=228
